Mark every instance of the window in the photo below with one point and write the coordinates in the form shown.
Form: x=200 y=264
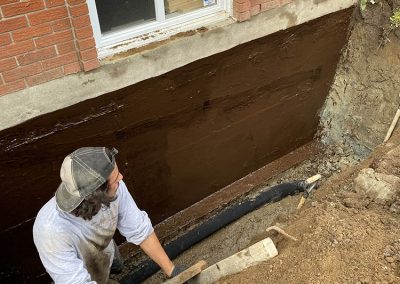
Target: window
x=116 y=21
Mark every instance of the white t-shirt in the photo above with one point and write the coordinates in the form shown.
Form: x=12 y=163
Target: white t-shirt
x=74 y=250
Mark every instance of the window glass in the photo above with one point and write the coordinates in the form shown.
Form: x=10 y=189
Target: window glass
x=117 y=14
x=178 y=7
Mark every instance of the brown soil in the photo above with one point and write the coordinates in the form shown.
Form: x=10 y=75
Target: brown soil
x=344 y=235
x=365 y=94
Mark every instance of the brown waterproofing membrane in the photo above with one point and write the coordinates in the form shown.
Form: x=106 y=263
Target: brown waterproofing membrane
x=182 y=135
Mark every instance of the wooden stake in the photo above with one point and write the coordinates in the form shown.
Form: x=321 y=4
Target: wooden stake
x=279 y=230
x=392 y=126
x=308 y=181
x=313 y=178
x=188 y=273
x=257 y=253
x=301 y=203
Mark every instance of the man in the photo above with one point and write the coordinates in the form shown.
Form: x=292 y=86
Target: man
x=73 y=231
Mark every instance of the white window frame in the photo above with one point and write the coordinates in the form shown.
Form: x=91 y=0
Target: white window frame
x=160 y=28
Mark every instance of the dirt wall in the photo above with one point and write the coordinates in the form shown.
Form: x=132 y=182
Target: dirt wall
x=365 y=94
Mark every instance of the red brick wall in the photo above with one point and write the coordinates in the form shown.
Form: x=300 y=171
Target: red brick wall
x=244 y=9
x=41 y=40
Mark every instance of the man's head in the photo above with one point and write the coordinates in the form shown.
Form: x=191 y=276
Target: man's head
x=83 y=172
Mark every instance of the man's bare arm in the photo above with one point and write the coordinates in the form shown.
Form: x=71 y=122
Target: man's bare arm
x=152 y=247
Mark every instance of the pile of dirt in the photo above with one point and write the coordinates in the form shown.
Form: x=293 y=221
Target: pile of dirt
x=348 y=233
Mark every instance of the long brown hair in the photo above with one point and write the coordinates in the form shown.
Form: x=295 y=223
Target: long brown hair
x=91 y=205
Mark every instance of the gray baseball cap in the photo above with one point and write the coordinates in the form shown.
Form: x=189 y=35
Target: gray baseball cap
x=82 y=172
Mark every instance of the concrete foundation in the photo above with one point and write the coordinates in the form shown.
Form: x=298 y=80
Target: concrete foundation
x=159 y=59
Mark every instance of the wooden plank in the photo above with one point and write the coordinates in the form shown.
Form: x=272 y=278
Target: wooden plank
x=255 y=254
x=188 y=273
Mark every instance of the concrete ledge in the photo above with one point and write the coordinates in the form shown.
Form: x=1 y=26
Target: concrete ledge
x=29 y=103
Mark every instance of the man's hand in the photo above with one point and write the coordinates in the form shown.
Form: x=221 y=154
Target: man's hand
x=176 y=271
x=152 y=247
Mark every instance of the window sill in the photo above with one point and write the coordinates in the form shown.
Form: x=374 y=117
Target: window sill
x=154 y=38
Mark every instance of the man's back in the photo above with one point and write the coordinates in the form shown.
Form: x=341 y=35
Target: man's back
x=70 y=246
x=73 y=231
x=74 y=249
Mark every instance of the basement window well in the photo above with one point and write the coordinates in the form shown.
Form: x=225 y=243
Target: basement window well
x=135 y=23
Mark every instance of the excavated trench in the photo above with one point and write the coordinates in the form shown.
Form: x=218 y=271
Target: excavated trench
x=182 y=136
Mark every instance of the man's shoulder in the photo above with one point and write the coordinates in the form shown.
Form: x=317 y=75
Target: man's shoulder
x=123 y=191
x=48 y=221
x=47 y=209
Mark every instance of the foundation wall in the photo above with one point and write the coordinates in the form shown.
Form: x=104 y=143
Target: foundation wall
x=50 y=62
x=182 y=135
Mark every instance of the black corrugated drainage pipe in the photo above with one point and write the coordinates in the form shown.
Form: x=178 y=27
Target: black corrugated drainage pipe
x=218 y=221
